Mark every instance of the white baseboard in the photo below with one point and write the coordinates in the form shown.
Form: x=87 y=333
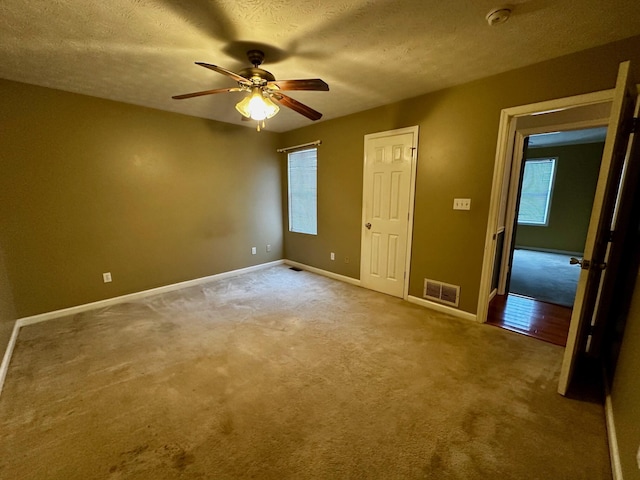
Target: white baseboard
x=143 y=294
x=198 y=281
x=43 y=317
x=550 y=250
x=614 y=452
x=325 y=273
x=6 y=359
x=418 y=301
x=454 y=312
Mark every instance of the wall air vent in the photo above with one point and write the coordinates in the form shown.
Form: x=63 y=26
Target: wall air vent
x=441 y=292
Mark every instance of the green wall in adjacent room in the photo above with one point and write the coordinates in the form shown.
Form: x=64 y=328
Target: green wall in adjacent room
x=456 y=155
x=90 y=186
x=577 y=168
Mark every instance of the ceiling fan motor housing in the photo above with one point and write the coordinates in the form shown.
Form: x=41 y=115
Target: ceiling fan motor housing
x=257 y=75
x=256 y=57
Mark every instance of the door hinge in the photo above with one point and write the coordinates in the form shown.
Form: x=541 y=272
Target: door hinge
x=635 y=125
x=587 y=347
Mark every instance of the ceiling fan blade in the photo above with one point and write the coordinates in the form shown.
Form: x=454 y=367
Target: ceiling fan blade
x=295 y=105
x=206 y=92
x=306 y=84
x=224 y=71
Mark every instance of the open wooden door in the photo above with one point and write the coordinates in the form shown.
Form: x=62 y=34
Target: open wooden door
x=599 y=232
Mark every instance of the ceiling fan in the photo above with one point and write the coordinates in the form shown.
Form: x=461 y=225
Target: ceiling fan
x=263 y=89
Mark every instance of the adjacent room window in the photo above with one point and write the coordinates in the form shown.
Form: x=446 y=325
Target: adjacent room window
x=537 y=187
x=303 y=191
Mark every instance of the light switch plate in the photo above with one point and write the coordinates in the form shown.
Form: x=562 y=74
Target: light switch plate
x=462 y=204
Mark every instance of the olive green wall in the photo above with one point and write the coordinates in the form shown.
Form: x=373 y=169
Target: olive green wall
x=625 y=391
x=7 y=310
x=456 y=154
x=90 y=186
x=577 y=170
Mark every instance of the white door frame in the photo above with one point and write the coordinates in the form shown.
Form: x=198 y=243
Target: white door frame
x=412 y=195
x=502 y=167
x=516 y=167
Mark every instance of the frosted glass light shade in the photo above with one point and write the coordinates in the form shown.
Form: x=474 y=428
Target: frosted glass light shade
x=257 y=106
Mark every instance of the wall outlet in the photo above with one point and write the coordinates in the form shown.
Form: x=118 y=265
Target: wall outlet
x=106 y=277
x=346 y=259
x=254 y=250
x=462 y=204
x=333 y=256
x=268 y=248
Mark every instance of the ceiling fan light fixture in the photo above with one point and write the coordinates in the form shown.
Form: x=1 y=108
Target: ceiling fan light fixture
x=257 y=106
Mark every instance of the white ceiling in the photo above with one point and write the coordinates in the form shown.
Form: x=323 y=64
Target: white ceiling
x=370 y=52
x=568 y=137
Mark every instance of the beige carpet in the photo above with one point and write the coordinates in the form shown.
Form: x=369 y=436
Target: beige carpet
x=288 y=375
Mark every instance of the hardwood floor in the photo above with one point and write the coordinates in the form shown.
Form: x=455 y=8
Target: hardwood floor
x=530 y=317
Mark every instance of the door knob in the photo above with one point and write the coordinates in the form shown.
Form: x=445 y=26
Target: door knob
x=368 y=225
x=575 y=261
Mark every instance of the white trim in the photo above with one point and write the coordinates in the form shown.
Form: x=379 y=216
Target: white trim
x=561 y=103
x=325 y=273
x=412 y=201
x=454 y=312
x=503 y=159
x=493 y=293
x=4 y=367
x=143 y=294
x=614 y=451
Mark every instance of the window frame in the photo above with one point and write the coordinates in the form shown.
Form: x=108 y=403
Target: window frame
x=292 y=227
x=549 y=195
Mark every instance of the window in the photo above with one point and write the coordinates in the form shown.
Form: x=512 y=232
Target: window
x=535 y=195
x=303 y=191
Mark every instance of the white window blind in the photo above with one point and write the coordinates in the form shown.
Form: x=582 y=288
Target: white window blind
x=303 y=191
x=535 y=195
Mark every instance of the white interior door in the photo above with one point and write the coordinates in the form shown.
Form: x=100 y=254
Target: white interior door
x=387 y=209
x=598 y=234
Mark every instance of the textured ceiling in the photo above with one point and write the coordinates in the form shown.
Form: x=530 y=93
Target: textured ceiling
x=369 y=52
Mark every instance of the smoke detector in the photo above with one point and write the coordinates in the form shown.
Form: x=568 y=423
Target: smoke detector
x=498 y=16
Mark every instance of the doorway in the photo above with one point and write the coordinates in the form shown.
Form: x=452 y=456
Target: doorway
x=548 y=190
x=602 y=252
x=556 y=190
